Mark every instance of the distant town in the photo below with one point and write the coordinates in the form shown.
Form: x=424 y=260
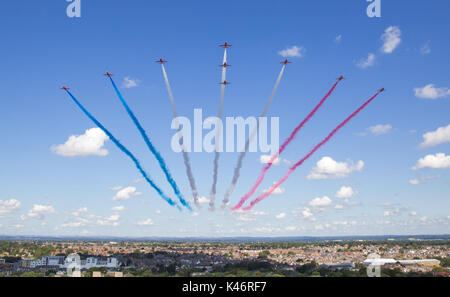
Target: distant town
x=326 y=258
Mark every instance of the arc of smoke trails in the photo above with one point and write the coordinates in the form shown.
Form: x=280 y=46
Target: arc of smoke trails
x=282 y=148
x=237 y=170
x=126 y=151
x=299 y=163
x=213 y=192
x=186 y=159
x=152 y=148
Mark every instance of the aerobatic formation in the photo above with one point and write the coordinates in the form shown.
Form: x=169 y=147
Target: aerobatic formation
x=236 y=173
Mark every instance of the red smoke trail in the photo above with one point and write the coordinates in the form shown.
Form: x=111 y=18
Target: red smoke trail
x=283 y=147
x=292 y=169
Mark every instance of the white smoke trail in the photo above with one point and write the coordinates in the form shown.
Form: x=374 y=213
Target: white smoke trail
x=237 y=170
x=274 y=91
x=213 y=192
x=186 y=159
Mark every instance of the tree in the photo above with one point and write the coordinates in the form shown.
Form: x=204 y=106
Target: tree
x=307 y=268
x=33 y=274
x=172 y=269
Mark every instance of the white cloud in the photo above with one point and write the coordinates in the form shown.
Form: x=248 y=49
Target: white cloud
x=306 y=213
x=118 y=208
x=80 y=211
x=391 y=39
x=413 y=213
x=292 y=52
x=425 y=49
x=368 y=62
x=441 y=135
x=343 y=223
x=339 y=206
x=347 y=202
x=9 y=206
x=319 y=227
x=90 y=143
x=438 y=161
x=329 y=168
x=107 y=223
x=380 y=129
x=246 y=218
x=147 y=222
x=258 y=213
x=287 y=162
x=117 y=188
x=40 y=211
x=249 y=216
x=345 y=192
x=265 y=159
x=290 y=228
x=338 y=38
x=114 y=217
x=414 y=182
x=267 y=229
x=112 y=220
x=376 y=130
x=362 y=134
x=79 y=222
x=277 y=191
x=203 y=200
x=281 y=216
x=320 y=202
x=388 y=213
x=129 y=82
x=126 y=193
x=429 y=177
x=430 y=91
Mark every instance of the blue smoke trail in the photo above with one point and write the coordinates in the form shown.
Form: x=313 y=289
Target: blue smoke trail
x=157 y=155
x=126 y=151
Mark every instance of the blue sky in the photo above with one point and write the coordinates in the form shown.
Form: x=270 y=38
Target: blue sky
x=46 y=193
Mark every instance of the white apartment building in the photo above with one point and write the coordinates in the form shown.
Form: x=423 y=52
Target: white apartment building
x=91 y=262
x=71 y=261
